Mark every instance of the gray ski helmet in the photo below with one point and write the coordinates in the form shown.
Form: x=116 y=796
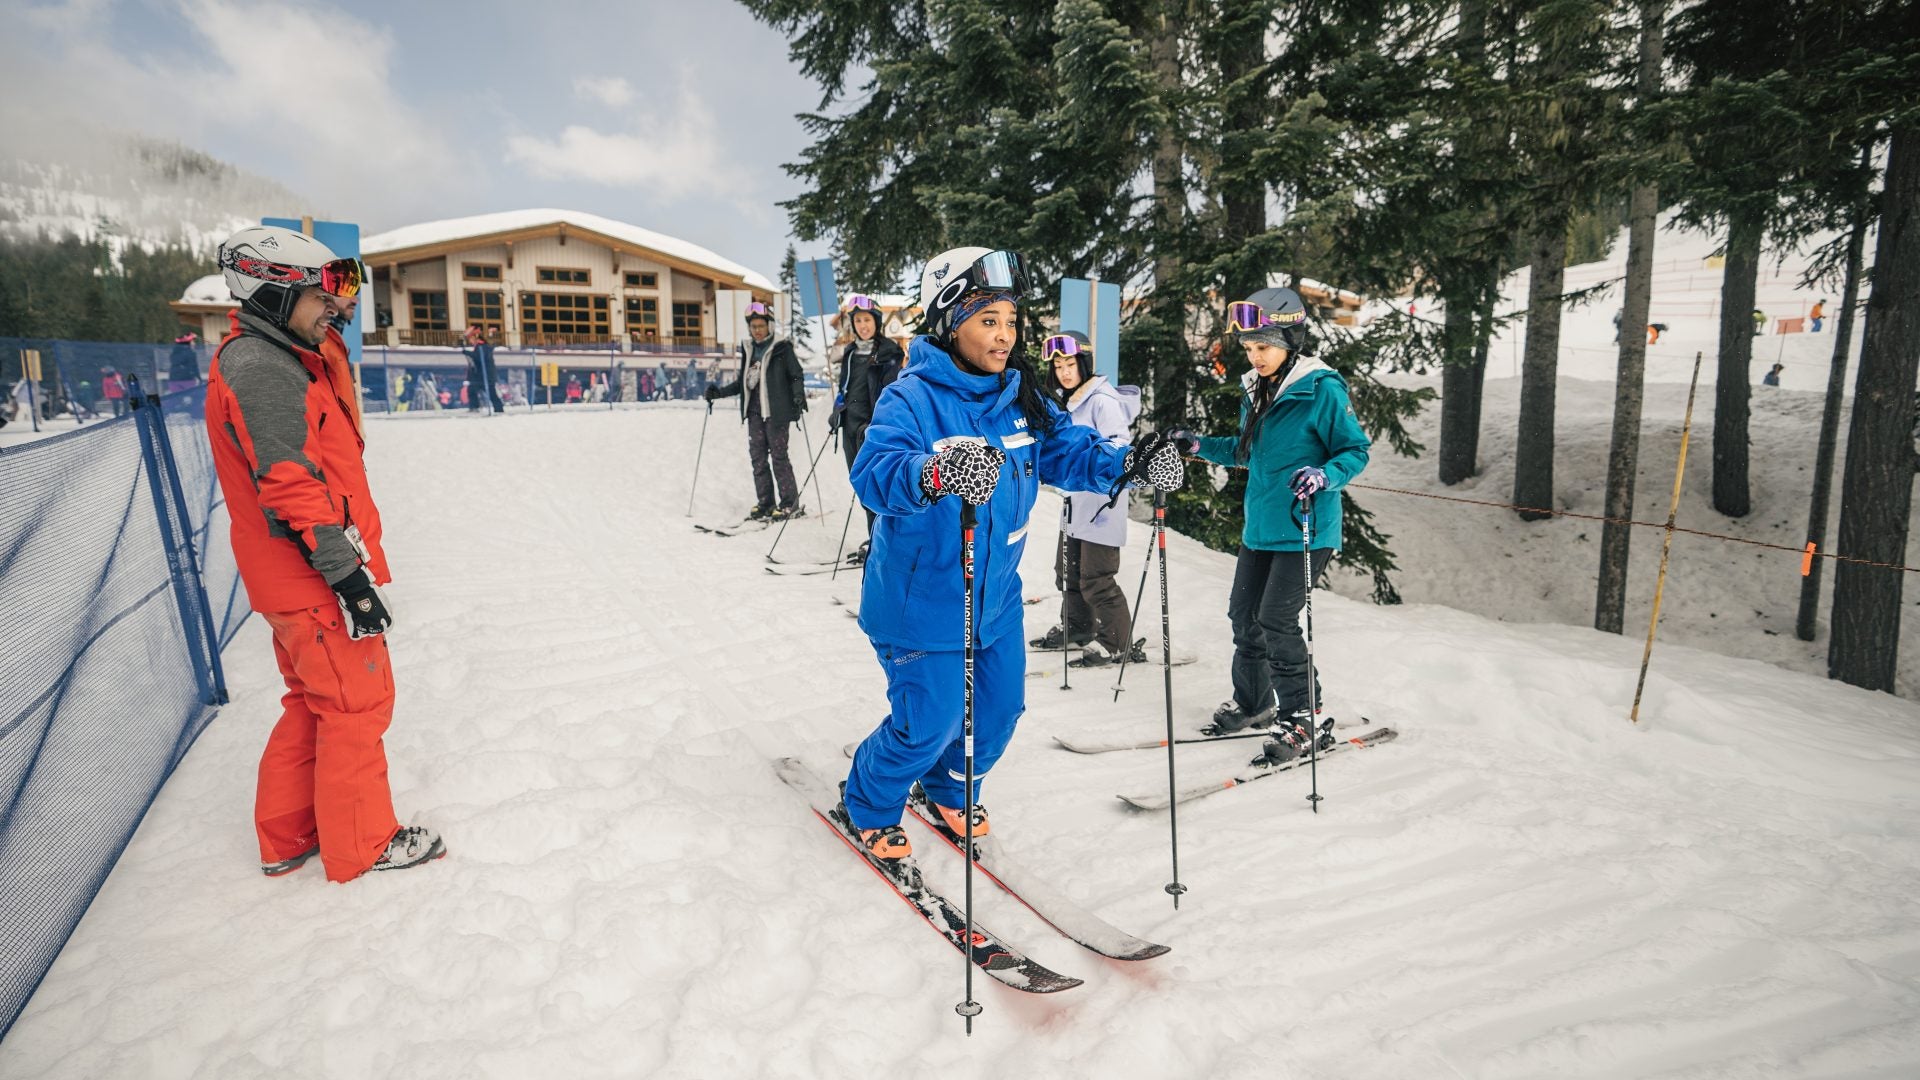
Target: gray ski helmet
x=1273 y=316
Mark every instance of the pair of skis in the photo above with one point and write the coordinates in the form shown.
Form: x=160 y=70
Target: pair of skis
x=989 y=952
x=1257 y=769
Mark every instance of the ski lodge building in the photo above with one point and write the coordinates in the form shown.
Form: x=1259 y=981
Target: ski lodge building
x=534 y=279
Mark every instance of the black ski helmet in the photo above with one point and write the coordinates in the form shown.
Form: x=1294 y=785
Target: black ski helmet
x=1274 y=316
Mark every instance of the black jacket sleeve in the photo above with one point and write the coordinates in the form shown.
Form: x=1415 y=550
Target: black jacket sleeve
x=788 y=367
x=731 y=389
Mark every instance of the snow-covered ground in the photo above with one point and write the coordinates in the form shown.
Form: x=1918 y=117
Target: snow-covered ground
x=1523 y=885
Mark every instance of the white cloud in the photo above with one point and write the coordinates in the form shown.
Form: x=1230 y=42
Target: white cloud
x=669 y=158
x=315 y=83
x=613 y=90
x=307 y=92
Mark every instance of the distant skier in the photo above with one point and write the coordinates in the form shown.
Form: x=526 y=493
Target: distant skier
x=1759 y=322
x=869 y=365
x=1300 y=444
x=1772 y=378
x=967 y=418
x=1093 y=608
x=772 y=397
x=306 y=538
x=183 y=364
x=1818 y=314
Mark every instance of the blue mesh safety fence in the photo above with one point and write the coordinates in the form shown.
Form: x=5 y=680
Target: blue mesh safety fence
x=77 y=378
x=117 y=590
x=422 y=379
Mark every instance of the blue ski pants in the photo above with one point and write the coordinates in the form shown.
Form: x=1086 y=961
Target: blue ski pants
x=921 y=739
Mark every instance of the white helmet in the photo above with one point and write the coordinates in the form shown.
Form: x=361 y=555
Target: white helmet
x=266 y=266
x=953 y=274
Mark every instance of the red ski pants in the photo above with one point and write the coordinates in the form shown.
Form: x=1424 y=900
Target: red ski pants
x=323 y=775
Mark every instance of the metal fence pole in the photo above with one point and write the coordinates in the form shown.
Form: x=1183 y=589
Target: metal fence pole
x=163 y=478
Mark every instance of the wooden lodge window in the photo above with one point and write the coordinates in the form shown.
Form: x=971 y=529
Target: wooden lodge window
x=565 y=313
x=486 y=308
x=429 y=309
x=480 y=271
x=686 y=320
x=642 y=279
x=560 y=275
x=643 y=318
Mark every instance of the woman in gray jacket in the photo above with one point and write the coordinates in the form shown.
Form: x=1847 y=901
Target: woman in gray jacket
x=1093 y=610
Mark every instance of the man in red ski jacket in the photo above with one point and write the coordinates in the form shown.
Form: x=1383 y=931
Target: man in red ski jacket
x=306 y=537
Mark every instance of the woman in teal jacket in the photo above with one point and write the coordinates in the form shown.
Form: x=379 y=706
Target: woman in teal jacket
x=966 y=418
x=1300 y=444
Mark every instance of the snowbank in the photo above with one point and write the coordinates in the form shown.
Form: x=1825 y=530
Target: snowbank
x=1523 y=885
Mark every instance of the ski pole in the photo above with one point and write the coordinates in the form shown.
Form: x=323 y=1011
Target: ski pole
x=1174 y=888
x=803 y=487
x=1139 y=594
x=696 y=458
x=1313 y=676
x=1066 y=618
x=840 y=552
x=968 y=1008
x=817 y=497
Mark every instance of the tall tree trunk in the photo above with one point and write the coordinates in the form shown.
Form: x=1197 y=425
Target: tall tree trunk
x=1803 y=625
x=1876 y=494
x=1464 y=371
x=1533 y=450
x=1460 y=380
x=1167 y=385
x=1733 y=386
x=1623 y=454
x=1243 y=199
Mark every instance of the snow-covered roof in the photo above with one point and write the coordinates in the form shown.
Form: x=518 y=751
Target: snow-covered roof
x=211 y=289
x=452 y=229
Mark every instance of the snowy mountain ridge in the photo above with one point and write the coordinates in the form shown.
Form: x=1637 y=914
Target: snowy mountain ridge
x=135 y=190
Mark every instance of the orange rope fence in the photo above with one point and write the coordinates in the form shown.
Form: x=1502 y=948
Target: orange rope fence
x=1808 y=554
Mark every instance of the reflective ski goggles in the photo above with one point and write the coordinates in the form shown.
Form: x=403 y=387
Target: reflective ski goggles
x=757 y=310
x=343 y=278
x=858 y=302
x=1244 y=317
x=1059 y=346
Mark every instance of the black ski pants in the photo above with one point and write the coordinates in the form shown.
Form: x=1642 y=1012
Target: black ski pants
x=1269 y=649
x=767 y=446
x=851 y=438
x=1092 y=602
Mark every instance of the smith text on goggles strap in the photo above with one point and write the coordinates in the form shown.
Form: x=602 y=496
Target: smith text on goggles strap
x=1245 y=317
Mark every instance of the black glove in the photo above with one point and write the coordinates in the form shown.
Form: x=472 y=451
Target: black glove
x=968 y=469
x=710 y=392
x=1155 y=460
x=1187 y=441
x=364 y=607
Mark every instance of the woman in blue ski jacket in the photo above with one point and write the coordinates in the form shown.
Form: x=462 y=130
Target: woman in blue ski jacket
x=1300 y=444
x=966 y=420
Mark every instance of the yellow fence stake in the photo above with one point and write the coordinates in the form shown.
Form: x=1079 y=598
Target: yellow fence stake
x=1666 y=547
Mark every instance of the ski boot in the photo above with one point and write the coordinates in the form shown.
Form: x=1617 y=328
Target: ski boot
x=956 y=820
x=858 y=556
x=782 y=513
x=1292 y=738
x=760 y=513
x=412 y=846
x=288 y=866
x=886 y=844
x=1231 y=719
x=1051 y=640
x=1096 y=655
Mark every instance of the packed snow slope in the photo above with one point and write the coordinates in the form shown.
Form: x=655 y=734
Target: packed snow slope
x=1732 y=598
x=591 y=693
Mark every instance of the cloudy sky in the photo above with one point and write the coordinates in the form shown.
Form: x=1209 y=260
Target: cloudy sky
x=675 y=116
